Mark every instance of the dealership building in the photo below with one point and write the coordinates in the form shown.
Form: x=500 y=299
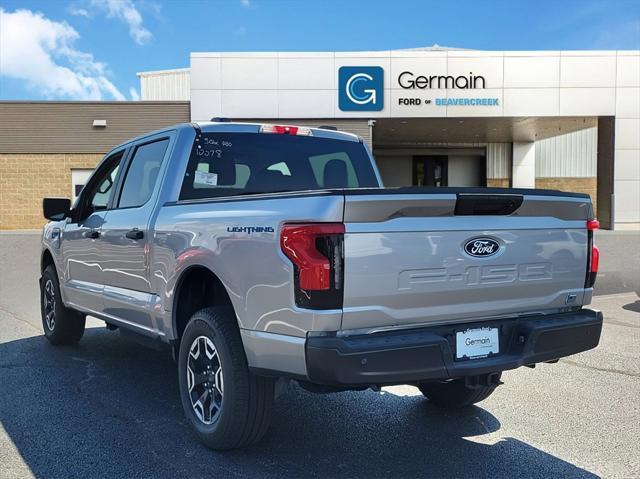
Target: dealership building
x=434 y=116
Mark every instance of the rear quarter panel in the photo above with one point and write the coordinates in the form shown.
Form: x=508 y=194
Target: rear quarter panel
x=256 y=274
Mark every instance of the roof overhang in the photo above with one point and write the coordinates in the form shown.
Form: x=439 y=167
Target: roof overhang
x=416 y=131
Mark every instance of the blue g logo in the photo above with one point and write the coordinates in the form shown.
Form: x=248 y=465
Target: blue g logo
x=361 y=88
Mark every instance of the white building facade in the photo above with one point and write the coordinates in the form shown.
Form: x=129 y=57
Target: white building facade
x=558 y=119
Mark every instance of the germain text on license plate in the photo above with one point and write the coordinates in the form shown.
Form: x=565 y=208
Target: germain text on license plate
x=477 y=343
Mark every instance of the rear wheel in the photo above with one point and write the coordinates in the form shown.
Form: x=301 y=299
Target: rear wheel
x=227 y=405
x=458 y=393
x=61 y=325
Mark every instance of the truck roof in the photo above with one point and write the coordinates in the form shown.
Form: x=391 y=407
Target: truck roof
x=211 y=126
x=243 y=127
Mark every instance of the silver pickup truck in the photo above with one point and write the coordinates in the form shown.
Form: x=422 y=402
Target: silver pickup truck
x=268 y=253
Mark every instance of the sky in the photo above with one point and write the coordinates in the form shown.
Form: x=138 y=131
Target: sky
x=92 y=49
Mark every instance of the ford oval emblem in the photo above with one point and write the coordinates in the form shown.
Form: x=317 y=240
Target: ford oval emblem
x=481 y=247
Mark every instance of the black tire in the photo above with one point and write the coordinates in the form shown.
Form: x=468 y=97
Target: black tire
x=245 y=400
x=61 y=325
x=455 y=394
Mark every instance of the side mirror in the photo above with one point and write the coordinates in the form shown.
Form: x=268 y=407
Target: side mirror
x=56 y=209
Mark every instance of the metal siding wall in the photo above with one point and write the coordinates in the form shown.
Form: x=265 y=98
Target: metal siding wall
x=67 y=127
x=573 y=155
x=499 y=160
x=166 y=86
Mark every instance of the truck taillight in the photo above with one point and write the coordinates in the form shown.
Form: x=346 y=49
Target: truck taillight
x=316 y=251
x=593 y=254
x=595 y=259
x=286 y=130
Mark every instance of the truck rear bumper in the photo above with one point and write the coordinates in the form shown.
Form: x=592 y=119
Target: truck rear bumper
x=426 y=354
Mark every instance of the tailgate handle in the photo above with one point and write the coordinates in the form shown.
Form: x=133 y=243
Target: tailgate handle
x=483 y=204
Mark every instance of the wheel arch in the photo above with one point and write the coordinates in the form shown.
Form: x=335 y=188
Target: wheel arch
x=46 y=259
x=197 y=287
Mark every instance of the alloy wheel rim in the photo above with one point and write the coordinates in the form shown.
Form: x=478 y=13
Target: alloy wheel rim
x=49 y=302
x=204 y=379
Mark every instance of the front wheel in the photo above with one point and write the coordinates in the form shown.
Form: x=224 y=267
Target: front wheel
x=457 y=393
x=61 y=325
x=227 y=405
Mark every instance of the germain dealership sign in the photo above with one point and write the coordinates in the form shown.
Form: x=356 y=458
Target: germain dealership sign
x=361 y=88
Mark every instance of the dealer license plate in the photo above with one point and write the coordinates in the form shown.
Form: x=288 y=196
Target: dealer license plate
x=477 y=343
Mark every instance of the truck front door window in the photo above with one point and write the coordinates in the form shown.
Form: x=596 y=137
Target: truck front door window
x=101 y=196
x=95 y=196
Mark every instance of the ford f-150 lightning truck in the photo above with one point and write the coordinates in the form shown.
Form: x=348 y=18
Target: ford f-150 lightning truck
x=267 y=253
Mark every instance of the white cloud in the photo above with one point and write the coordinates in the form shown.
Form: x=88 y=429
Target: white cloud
x=127 y=12
x=41 y=52
x=78 y=12
x=245 y=3
x=133 y=93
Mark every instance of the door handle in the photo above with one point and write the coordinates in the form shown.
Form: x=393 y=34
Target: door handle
x=91 y=234
x=135 y=234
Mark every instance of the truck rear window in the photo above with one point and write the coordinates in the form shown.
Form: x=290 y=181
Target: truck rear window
x=224 y=164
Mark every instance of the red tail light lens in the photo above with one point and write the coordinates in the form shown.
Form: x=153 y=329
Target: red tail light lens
x=316 y=251
x=593 y=254
x=595 y=259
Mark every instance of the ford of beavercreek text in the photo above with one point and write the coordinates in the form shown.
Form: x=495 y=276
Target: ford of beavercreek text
x=262 y=254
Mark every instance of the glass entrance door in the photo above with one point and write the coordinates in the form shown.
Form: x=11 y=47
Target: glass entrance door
x=430 y=171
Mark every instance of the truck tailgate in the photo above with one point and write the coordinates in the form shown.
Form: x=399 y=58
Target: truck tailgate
x=414 y=258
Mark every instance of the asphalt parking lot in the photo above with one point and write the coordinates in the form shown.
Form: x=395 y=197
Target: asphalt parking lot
x=109 y=407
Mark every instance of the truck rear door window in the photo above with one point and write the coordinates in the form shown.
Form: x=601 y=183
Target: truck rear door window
x=224 y=164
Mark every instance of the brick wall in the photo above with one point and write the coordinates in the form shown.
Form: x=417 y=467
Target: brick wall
x=574 y=185
x=498 y=182
x=27 y=178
